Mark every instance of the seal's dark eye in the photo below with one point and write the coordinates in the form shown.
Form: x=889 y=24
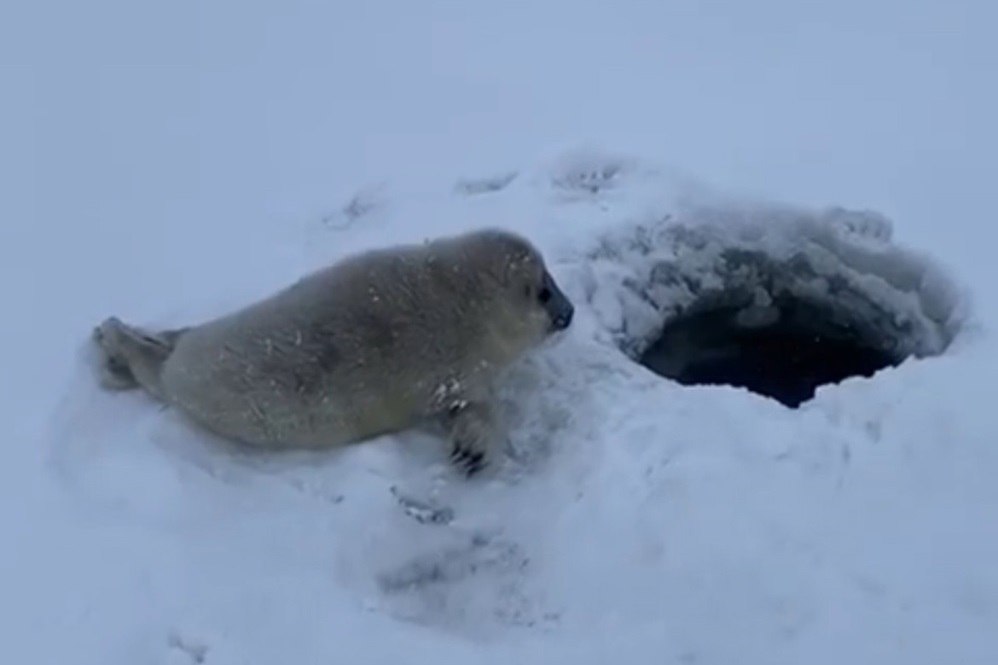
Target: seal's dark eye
x=544 y=294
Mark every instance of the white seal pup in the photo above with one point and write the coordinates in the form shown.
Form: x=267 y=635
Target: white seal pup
x=370 y=345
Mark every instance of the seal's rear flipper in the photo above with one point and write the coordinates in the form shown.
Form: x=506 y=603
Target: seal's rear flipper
x=114 y=371
x=132 y=357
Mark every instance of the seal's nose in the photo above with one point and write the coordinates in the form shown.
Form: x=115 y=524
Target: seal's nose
x=559 y=308
x=563 y=318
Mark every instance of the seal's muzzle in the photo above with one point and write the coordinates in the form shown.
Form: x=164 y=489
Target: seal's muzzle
x=557 y=305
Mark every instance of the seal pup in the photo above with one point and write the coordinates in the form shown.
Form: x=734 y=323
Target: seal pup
x=373 y=344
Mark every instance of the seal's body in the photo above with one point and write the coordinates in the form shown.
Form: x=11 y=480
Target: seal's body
x=370 y=345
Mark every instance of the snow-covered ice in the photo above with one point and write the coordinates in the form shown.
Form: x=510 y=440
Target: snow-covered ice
x=631 y=519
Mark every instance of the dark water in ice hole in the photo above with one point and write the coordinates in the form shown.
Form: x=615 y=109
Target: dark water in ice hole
x=785 y=357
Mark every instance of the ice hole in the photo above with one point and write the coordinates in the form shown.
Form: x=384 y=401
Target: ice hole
x=784 y=349
x=777 y=301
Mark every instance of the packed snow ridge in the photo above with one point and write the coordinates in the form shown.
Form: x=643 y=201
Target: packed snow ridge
x=839 y=260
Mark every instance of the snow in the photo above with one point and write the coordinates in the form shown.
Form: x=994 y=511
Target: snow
x=177 y=162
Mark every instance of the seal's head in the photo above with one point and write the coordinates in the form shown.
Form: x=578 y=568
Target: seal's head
x=526 y=305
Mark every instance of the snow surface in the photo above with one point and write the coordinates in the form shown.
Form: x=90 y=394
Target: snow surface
x=183 y=160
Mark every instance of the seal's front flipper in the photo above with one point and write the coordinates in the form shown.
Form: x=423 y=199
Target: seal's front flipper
x=472 y=431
